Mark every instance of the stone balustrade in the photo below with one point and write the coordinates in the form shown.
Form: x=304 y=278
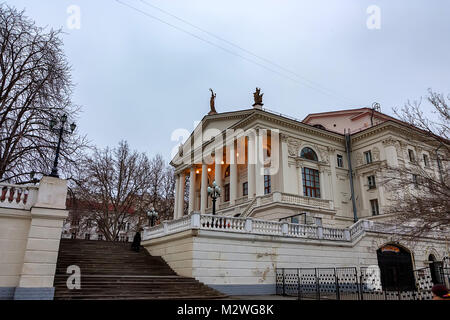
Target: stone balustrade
x=31 y=222
x=20 y=197
x=287 y=198
x=261 y=227
x=306 y=201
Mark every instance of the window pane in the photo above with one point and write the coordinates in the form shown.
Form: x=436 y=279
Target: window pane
x=308 y=153
x=311 y=184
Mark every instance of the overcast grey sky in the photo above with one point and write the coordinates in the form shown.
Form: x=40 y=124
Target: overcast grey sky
x=138 y=78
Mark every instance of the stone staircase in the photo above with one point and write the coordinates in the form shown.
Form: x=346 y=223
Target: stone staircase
x=111 y=270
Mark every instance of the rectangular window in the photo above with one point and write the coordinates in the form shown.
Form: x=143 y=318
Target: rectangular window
x=226 y=192
x=311 y=183
x=267 y=184
x=100 y=237
x=371 y=182
x=73 y=236
x=340 y=161
x=368 y=156
x=245 y=189
x=426 y=163
x=374 y=207
x=87 y=236
x=412 y=158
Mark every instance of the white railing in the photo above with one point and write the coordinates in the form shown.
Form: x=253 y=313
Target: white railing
x=357 y=228
x=287 y=198
x=306 y=201
x=303 y=231
x=249 y=208
x=262 y=227
x=210 y=222
x=154 y=232
x=334 y=234
x=267 y=227
x=241 y=200
x=20 y=197
x=178 y=224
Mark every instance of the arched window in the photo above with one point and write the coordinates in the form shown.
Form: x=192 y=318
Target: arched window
x=308 y=153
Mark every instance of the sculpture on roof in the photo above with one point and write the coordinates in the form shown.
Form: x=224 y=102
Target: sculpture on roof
x=212 y=102
x=257 y=96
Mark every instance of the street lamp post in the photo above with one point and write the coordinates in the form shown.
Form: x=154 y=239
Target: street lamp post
x=152 y=215
x=214 y=192
x=60 y=131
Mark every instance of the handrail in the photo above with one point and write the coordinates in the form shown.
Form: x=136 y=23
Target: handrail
x=266 y=227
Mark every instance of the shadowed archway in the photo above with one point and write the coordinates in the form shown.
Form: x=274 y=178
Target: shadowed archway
x=396 y=268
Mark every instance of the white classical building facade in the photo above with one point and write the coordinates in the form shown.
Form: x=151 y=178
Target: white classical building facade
x=293 y=194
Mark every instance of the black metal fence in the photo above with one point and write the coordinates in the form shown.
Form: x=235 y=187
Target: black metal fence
x=350 y=284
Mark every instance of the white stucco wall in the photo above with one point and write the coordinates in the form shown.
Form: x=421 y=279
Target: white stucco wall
x=245 y=261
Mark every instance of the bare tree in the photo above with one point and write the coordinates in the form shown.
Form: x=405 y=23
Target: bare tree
x=420 y=189
x=117 y=186
x=112 y=184
x=167 y=194
x=35 y=86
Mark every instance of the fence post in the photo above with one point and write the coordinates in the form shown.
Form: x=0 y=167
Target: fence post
x=284 y=290
x=336 y=279
x=357 y=284
x=317 y=285
x=361 y=285
x=299 y=288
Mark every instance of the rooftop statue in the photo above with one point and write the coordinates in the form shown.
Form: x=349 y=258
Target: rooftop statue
x=212 y=102
x=257 y=95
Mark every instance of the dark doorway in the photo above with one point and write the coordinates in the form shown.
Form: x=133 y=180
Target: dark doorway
x=435 y=270
x=396 y=268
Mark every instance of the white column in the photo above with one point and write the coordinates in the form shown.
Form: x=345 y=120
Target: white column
x=251 y=166
x=323 y=185
x=181 y=192
x=218 y=174
x=334 y=189
x=175 y=206
x=191 y=189
x=233 y=175
x=364 y=205
x=203 y=189
x=259 y=173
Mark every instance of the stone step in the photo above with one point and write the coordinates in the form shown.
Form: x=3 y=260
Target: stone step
x=110 y=270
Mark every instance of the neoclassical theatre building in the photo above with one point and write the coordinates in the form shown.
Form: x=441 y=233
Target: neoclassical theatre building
x=293 y=194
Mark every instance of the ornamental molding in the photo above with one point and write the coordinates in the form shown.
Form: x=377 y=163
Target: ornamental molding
x=324 y=154
x=293 y=146
x=390 y=142
x=284 y=137
x=376 y=154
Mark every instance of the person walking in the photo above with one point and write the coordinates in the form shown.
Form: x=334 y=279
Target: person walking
x=136 y=241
